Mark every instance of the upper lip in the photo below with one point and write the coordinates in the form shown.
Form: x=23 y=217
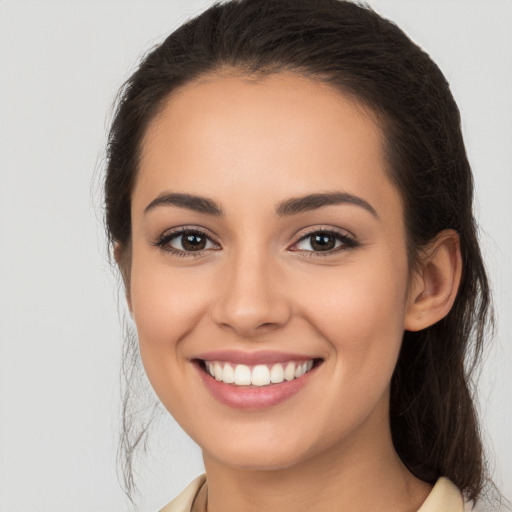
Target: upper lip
x=252 y=358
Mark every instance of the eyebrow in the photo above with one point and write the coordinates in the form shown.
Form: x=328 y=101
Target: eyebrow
x=285 y=208
x=195 y=203
x=313 y=201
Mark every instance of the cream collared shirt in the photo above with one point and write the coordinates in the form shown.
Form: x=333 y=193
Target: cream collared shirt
x=444 y=497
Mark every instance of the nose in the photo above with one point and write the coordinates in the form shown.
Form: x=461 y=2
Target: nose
x=251 y=299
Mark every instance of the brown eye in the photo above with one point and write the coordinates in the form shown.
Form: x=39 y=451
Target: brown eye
x=186 y=241
x=323 y=242
x=192 y=242
x=320 y=241
x=327 y=242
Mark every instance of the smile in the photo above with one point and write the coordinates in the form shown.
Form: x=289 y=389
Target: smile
x=255 y=381
x=257 y=375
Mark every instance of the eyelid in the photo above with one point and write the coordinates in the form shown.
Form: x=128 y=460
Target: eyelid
x=163 y=240
x=348 y=240
x=324 y=229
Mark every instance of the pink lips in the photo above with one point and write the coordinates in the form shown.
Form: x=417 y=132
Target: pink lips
x=252 y=397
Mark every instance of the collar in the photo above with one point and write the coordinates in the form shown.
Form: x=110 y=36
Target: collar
x=445 y=497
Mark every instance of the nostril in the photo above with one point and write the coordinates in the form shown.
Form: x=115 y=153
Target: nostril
x=250 y=308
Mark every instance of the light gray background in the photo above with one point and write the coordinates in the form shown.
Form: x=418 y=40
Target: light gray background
x=61 y=64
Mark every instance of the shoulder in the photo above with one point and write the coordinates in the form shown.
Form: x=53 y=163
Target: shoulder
x=183 y=502
x=444 y=496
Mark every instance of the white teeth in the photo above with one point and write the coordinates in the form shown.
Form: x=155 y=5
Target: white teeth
x=217 y=371
x=277 y=373
x=300 y=370
x=289 y=371
x=259 y=375
x=242 y=375
x=229 y=374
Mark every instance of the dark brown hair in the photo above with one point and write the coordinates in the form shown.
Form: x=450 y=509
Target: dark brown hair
x=347 y=45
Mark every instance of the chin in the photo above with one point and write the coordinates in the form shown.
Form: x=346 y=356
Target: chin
x=255 y=460
x=260 y=454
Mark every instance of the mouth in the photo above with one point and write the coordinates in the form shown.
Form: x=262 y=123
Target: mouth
x=255 y=380
x=257 y=375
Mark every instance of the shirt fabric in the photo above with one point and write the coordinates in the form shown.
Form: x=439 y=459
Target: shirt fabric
x=444 y=497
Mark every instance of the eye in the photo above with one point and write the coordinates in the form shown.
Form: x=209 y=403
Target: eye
x=324 y=241
x=186 y=241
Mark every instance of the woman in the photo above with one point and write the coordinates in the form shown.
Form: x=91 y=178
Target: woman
x=290 y=206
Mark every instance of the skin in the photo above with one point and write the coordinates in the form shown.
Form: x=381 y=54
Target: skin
x=249 y=145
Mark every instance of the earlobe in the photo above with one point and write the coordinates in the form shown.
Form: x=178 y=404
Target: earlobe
x=123 y=260
x=435 y=283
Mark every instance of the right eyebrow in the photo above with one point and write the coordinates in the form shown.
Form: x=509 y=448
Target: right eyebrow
x=314 y=201
x=189 y=201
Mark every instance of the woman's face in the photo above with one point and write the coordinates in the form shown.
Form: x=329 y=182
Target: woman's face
x=268 y=241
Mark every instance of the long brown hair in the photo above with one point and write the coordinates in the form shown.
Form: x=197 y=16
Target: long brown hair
x=432 y=413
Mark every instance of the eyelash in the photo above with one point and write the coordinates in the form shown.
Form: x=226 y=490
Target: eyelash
x=168 y=237
x=347 y=241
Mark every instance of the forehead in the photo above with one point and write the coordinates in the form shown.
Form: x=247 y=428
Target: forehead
x=230 y=136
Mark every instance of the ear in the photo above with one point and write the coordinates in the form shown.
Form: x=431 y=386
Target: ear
x=122 y=256
x=435 y=283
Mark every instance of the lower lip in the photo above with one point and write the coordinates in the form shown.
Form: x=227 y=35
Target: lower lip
x=254 y=397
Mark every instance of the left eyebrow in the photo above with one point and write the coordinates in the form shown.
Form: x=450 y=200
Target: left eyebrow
x=189 y=201
x=313 y=201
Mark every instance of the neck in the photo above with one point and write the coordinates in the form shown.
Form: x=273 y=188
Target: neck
x=364 y=474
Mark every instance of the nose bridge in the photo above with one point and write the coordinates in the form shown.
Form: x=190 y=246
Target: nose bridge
x=251 y=298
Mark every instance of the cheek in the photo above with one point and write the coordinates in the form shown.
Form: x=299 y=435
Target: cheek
x=361 y=312
x=166 y=306
x=357 y=297
x=362 y=319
